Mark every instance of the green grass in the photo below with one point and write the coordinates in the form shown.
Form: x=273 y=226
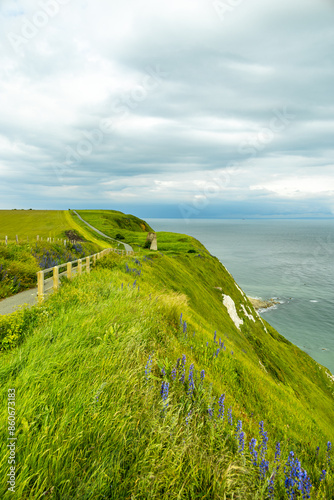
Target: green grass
x=30 y=223
x=91 y=424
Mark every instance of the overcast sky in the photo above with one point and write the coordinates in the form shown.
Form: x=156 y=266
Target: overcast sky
x=185 y=108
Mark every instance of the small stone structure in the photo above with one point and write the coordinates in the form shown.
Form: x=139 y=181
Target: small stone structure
x=151 y=241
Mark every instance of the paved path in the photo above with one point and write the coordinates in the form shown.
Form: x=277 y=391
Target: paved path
x=28 y=297
x=127 y=247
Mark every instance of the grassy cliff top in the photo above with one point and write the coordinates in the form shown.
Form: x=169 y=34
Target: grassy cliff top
x=136 y=382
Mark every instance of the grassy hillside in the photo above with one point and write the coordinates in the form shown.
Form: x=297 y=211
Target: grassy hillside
x=134 y=383
x=126 y=227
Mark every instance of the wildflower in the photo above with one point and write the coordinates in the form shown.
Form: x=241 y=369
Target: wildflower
x=264 y=442
x=296 y=478
x=221 y=403
x=188 y=418
x=148 y=368
x=217 y=352
x=271 y=486
x=278 y=455
x=163 y=371
x=304 y=484
x=238 y=428
x=122 y=286
x=253 y=451
x=264 y=464
x=202 y=375
x=191 y=380
x=241 y=442
x=210 y=412
x=214 y=337
x=164 y=393
x=184 y=359
x=317 y=451
x=329 y=447
x=230 y=418
x=184 y=327
x=173 y=373
x=264 y=467
x=181 y=319
x=323 y=475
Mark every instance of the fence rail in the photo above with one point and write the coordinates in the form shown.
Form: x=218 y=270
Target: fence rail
x=48 y=239
x=81 y=266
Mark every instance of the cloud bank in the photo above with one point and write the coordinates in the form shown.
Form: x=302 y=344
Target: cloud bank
x=203 y=107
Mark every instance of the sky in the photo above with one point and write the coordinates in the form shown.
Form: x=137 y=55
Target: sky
x=185 y=108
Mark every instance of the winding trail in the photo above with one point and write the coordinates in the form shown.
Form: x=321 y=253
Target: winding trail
x=127 y=247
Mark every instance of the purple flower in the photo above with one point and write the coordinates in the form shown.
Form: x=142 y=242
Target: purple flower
x=253 y=451
x=191 y=386
x=221 y=403
x=230 y=418
x=148 y=368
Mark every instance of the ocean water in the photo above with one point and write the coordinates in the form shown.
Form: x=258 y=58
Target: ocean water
x=290 y=260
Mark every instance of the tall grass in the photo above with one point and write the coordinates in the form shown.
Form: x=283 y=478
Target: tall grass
x=119 y=392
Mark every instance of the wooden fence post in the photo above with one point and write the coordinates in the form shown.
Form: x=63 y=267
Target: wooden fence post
x=69 y=270
x=56 y=278
x=37 y=237
x=87 y=264
x=94 y=258
x=40 y=281
x=17 y=239
x=79 y=266
x=6 y=240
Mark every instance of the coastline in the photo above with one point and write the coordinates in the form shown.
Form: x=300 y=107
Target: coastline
x=262 y=304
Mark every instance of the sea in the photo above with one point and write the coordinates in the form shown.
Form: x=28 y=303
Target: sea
x=290 y=261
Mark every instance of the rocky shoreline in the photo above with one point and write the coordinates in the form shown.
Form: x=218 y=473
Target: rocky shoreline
x=262 y=304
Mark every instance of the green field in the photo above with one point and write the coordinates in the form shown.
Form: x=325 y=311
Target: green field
x=112 y=400
x=30 y=223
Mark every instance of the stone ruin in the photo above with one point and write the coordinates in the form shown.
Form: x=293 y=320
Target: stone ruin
x=151 y=241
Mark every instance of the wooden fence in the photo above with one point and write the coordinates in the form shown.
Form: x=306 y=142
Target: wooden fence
x=71 y=269
x=40 y=238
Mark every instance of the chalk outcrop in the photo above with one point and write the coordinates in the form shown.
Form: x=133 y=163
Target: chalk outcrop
x=230 y=306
